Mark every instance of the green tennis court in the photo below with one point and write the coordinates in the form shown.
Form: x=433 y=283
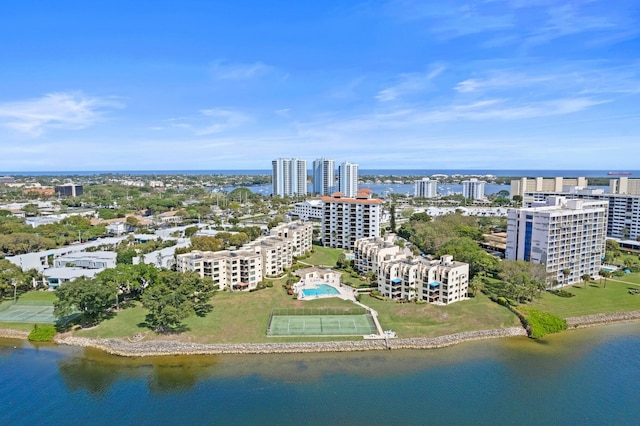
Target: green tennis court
x=10 y=312
x=321 y=325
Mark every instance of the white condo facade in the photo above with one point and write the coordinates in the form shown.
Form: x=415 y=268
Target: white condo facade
x=324 y=178
x=567 y=236
x=473 y=189
x=245 y=268
x=289 y=177
x=348 y=179
x=425 y=188
x=344 y=219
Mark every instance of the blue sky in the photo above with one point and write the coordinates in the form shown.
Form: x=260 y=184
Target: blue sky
x=213 y=85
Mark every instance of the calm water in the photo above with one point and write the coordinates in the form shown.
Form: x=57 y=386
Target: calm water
x=583 y=377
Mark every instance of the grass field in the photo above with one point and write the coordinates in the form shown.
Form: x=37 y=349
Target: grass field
x=425 y=320
x=324 y=256
x=594 y=299
x=236 y=318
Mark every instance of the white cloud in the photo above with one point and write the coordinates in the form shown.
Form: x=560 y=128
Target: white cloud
x=409 y=83
x=228 y=71
x=212 y=121
x=71 y=111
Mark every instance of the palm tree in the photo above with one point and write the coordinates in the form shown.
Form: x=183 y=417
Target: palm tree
x=605 y=274
x=476 y=284
x=586 y=278
x=566 y=272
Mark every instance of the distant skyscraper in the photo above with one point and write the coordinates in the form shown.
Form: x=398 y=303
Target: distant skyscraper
x=289 y=177
x=473 y=188
x=425 y=188
x=324 y=178
x=348 y=179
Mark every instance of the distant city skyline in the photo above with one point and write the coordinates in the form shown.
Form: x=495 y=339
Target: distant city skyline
x=396 y=84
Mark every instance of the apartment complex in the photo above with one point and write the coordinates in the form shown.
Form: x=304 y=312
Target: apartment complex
x=402 y=276
x=300 y=234
x=348 y=179
x=566 y=235
x=369 y=253
x=344 y=219
x=69 y=190
x=324 y=179
x=540 y=184
x=243 y=269
x=441 y=282
x=473 y=189
x=623 y=216
x=310 y=209
x=289 y=177
x=624 y=185
x=425 y=188
x=237 y=270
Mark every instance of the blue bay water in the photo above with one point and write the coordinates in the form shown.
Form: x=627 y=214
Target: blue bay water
x=581 y=377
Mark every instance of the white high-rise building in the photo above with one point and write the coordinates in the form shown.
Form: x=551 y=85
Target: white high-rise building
x=289 y=177
x=473 y=188
x=425 y=188
x=344 y=219
x=348 y=179
x=567 y=236
x=324 y=179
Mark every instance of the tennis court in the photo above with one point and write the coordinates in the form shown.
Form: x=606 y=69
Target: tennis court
x=10 y=312
x=321 y=325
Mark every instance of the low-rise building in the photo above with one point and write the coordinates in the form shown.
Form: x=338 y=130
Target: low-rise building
x=87 y=260
x=236 y=270
x=441 y=282
x=310 y=209
x=301 y=234
x=369 y=253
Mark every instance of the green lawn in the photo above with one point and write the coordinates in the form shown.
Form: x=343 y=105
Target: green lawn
x=237 y=317
x=37 y=296
x=594 y=299
x=426 y=320
x=323 y=256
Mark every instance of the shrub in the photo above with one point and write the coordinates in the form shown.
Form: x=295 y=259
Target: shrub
x=42 y=333
x=562 y=293
x=542 y=323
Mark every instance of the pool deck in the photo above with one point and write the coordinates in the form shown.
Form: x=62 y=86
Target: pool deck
x=344 y=292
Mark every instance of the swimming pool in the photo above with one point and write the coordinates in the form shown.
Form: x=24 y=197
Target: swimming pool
x=320 y=290
x=608 y=269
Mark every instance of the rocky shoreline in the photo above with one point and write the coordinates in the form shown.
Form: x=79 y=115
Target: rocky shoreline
x=128 y=348
x=602 y=319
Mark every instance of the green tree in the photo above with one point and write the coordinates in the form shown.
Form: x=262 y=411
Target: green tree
x=476 y=284
x=466 y=250
x=175 y=296
x=206 y=243
x=605 y=274
x=92 y=298
x=586 y=278
x=125 y=257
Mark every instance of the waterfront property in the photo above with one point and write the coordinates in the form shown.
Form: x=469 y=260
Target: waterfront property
x=344 y=219
x=243 y=269
x=289 y=177
x=440 y=282
x=567 y=236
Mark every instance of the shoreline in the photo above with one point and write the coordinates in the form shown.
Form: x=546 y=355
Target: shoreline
x=126 y=348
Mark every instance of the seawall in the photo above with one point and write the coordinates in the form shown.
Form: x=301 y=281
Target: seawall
x=126 y=348
x=602 y=319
